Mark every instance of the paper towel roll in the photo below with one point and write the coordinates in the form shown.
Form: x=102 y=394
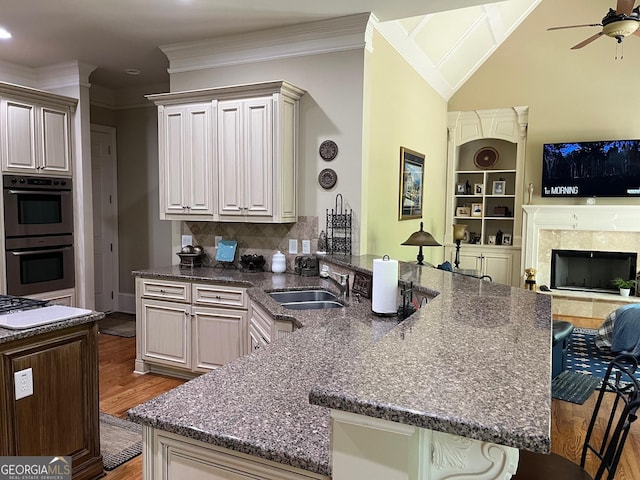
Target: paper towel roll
x=384 y=291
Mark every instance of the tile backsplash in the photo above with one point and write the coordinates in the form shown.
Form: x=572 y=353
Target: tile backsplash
x=255 y=238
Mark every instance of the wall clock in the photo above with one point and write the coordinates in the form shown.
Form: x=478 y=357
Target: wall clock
x=486 y=157
x=328 y=150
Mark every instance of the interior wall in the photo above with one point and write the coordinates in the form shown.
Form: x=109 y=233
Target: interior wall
x=144 y=240
x=401 y=109
x=331 y=109
x=573 y=95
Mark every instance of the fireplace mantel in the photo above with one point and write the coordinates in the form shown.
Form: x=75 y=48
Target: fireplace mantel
x=595 y=218
x=578 y=227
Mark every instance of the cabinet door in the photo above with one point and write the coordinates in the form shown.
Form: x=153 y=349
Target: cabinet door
x=186 y=161
x=219 y=336
x=199 y=171
x=499 y=266
x=231 y=169
x=166 y=333
x=19 y=145
x=258 y=141
x=54 y=138
x=173 y=197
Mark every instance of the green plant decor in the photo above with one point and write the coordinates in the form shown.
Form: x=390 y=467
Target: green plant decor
x=622 y=283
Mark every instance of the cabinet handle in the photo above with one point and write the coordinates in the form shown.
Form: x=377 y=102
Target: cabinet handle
x=218 y=297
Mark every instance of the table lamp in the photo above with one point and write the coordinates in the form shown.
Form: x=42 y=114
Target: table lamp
x=421 y=239
x=458 y=236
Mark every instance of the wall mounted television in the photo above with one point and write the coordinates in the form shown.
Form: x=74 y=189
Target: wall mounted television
x=591 y=169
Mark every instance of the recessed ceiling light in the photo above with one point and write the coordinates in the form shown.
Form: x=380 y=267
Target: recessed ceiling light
x=4 y=33
x=132 y=71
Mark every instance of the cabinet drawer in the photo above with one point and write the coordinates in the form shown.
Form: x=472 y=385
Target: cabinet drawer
x=262 y=321
x=219 y=296
x=166 y=289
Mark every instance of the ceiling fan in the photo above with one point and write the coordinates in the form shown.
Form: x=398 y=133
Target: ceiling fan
x=618 y=23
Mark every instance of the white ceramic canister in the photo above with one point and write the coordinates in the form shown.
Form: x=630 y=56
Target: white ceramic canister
x=278 y=262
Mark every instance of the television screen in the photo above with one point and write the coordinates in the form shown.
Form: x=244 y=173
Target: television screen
x=591 y=169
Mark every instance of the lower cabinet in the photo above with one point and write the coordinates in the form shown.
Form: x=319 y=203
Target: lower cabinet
x=502 y=264
x=263 y=329
x=61 y=416
x=172 y=457
x=58 y=297
x=188 y=328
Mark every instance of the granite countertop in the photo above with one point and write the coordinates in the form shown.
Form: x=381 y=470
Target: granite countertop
x=475 y=361
x=9 y=335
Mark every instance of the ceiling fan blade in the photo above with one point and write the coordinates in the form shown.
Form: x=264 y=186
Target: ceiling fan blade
x=576 y=26
x=625 y=6
x=587 y=41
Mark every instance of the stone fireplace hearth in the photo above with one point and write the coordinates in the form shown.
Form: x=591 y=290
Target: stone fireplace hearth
x=608 y=228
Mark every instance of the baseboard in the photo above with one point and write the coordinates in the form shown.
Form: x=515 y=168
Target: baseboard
x=127 y=303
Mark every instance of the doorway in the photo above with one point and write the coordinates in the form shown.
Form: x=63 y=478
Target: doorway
x=105 y=217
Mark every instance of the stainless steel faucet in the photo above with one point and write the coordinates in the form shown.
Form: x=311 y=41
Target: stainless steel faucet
x=339 y=279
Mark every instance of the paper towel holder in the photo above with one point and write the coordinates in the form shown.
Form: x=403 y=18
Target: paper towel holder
x=421 y=239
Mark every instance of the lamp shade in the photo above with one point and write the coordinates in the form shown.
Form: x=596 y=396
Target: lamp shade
x=421 y=239
x=458 y=231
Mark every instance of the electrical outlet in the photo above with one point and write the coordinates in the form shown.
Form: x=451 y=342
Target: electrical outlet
x=23 y=381
x=187 y=240
x=293 y=246
x=306 y=247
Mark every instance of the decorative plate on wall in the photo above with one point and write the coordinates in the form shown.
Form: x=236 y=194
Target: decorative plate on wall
x=486 y=157
x=327 y=178
x=328 y=150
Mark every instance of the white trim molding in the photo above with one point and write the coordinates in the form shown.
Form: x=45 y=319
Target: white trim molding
x=323 y=36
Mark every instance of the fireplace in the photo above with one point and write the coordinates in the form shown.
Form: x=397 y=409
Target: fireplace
x=591 y=271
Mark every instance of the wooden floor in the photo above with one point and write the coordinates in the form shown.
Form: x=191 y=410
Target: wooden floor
x=120 y=389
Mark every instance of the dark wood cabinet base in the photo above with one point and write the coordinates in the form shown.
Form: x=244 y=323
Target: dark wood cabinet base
x=62 y=416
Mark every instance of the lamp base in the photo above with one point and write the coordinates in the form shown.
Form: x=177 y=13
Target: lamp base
x=456 y=262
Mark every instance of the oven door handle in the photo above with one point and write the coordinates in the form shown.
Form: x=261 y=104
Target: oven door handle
x=46 y=250
x=38 y=192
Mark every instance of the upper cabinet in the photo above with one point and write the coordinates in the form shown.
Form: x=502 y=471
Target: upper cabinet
x=238 y=162
x=35 y=130
x=186 y=168
x=486 y=151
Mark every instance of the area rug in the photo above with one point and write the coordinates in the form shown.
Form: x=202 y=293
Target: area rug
x=584 y=357
x=120 y=440
x=573 y=387
x=118 y=325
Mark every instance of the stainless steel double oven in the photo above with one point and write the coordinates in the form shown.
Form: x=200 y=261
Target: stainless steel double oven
x=38 y=223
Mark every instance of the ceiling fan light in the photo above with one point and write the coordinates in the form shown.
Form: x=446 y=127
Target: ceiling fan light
x=622 y=28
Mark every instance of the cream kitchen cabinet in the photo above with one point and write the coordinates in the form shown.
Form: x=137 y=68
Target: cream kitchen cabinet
x=251 y=146
x=263 y=329
x=186 y=161
x=36 y=130
x=500 y=263
x=173 y=457
x=186 y=328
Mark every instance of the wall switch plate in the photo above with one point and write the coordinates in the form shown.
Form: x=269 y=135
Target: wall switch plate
x=187 y=240
x=293 y=246
x=23 y=381
x=306 y=246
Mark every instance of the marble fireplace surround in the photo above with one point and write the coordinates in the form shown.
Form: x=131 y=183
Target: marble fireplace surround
x=607 y=228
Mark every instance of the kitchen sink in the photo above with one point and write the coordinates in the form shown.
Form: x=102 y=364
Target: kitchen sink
x=303 y=296
x=306 y=299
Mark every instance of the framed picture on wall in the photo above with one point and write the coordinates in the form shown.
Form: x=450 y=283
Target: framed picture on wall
x=411 y=184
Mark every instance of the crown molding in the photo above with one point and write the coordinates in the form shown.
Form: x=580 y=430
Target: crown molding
x=63 y=75
x=312 y=38
x=18 y=74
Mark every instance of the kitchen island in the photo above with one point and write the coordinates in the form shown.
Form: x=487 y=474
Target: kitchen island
x=60 y=418
x=474 y=362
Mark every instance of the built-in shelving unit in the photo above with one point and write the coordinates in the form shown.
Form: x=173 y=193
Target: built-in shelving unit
x=485 y=163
